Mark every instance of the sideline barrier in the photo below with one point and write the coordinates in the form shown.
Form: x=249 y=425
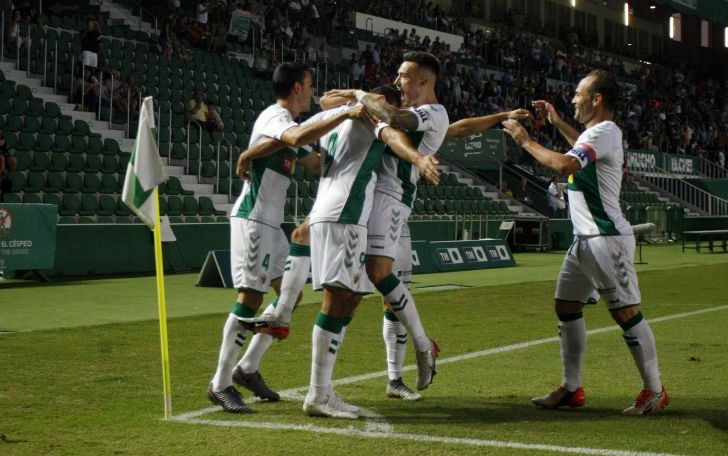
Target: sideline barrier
x=426 y=257
x=27 y=236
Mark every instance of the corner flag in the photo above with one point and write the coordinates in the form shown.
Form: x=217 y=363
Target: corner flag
x=144 y=173
x=145 y=170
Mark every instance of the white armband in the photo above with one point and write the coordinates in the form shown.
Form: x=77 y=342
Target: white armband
x=379 y=127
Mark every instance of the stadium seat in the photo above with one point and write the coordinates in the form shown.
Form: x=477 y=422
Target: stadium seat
x=71 y=204
x=191 y=206
x=41 y=161
x=89 y=204
x=36 y=181
x=174 y=205
x=91 y=183
x=55 y=182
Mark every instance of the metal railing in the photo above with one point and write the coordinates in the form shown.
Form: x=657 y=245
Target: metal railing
x=169 y=127
x=230 y=167
x=199 y=148
x=687 y=193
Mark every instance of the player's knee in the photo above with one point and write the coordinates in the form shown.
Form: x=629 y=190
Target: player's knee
x=376 y=271
x=624 y=314
x=567 y=307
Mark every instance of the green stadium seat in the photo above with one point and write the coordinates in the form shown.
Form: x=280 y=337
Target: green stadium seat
x=43 y=143
x=91 y=183
x=74 y=182
x=109 y=184
x=191 y=206
x=31 y=198
x=62 y=143
x=31 y=124
x=36 y=182
x=89 y=204
x=13 y=122
x=55 y=182
x=41 y=161
x=52 y=198
x=122 y=209
x=71 y=204
x=66 y=220
x=174 y=205
x=110 y=164
x=12 y=198
x=76 y=163
x=105 y=219
x=207 y=207
x=95 y=146
x=52 y=110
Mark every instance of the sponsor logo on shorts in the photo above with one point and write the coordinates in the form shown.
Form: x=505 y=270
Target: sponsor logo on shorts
x=263 y=278
x=357 y=276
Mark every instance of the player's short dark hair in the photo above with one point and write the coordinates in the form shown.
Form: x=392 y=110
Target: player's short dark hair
x=605 y=83
x=391 y=94
x=424 y=60
x=286 y=75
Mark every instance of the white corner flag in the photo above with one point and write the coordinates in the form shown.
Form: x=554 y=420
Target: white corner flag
x=145 y=170
x=143 y=175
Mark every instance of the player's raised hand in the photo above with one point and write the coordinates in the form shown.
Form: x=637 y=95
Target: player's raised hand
x=546 y=110
x=427 y=166
x=516 y=131
x=519 y=114
x=358 y=112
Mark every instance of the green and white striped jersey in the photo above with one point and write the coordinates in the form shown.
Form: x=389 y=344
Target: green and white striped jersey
x=593 y=190
x=398 y=178
x=264 y=194
x=352 y=156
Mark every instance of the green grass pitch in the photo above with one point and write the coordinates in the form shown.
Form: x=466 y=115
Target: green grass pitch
x=80 y=370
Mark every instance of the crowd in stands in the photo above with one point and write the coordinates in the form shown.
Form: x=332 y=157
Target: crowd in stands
x=674 y=110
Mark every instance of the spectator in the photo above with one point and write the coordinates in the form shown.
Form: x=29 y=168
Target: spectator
x=8 y=163
x=90 y=43
x=126 y=97
x=201 y=13
x=16 y=40
x=214 y=121
x=557 y=202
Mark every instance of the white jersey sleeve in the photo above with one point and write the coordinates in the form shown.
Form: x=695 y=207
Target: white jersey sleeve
x=272 y=122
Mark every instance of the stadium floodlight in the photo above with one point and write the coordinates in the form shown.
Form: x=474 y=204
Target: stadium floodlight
x=725 y=37
x=573 y=3
x=626 y=14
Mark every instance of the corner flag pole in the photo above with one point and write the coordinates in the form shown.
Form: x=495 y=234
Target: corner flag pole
x=159 y=266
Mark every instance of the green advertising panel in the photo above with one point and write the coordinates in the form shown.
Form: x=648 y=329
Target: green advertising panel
x=460 y=255
x=27 y=236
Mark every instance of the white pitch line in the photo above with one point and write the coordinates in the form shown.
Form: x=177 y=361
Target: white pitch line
x=498 y=350
x=350 y=431
x=377 y=427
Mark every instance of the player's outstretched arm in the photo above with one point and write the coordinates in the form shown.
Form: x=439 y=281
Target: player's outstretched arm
x=561 y=163
x=261 y=148
x=548 y=111
x=305 y=134
x=474 y=125
x=329 y=102
x=400 y=144
x=402 y=119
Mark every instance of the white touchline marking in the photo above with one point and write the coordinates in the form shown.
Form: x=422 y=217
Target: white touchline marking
x=351 y=431
x=377 y=426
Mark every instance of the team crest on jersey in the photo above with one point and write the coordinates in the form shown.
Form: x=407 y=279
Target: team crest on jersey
x=283 y=119
x=289 y=164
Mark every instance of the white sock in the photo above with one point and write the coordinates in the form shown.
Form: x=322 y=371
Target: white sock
x=403 y=306
x=326 y=341
x=233 y=338
x=259 y=344
x=572 y=334
x=395 y=342
x=641 y=342
x=295 y=274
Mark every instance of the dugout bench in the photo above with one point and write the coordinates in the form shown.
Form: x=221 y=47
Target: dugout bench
x=712 y=236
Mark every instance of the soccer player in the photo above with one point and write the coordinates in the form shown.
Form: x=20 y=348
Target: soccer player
x=258 y=246
x=394 y=332
x=427 y=122
x=599 y=262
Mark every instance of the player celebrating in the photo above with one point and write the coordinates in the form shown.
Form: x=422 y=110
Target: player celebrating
x=427 y=122
x=257 y=244
x=599 y=262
